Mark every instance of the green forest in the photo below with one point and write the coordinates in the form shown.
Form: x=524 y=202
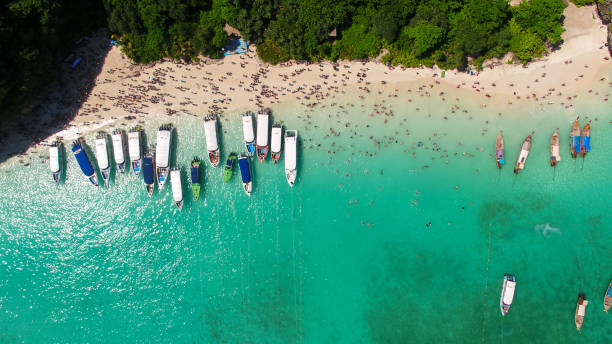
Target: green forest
x=37 y=34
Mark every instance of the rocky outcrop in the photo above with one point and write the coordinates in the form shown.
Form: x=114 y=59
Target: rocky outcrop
x=604 y=9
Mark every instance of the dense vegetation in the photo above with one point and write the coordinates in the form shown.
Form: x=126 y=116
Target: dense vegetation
x=412 y=32
x=450 y=33
x=34 y=34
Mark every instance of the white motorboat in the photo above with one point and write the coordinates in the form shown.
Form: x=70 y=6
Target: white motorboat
x=102 y=156
x=212 y=145
x=162 y=154
x=177 y=187
x=291 y=156
x=119 y=149
x=135 y=149
x=507 y=294
x=248 y=133
x=275 y=145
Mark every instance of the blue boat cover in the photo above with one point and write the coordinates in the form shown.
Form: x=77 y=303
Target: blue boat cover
x=244 y=169
x=502 y=161
x=576 y=143
x=195 y=174
x=610 y=292
x=587 y=143
x=83 y=160
x=251 y=148
x=147 y=170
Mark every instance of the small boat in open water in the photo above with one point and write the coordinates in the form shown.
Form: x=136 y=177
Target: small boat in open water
x=177 y=187
x=162 y=154
x=102 y=156
x=148 y=172
x=135 y=149
x=196 y=183
x=84 y=163
x=212 y=145
x=522 y=157
x=291 y=156
x=499 y=150
x=249 y=135
x=555 y=150
x=228 y=170
x=507 y=294
x=55 y=160
x=575 y=138
x=608 y=298
x=585 y=140
x=245 y=173
x=119 y=149
x=580 y=310
x=275 y=144
x=262 y=134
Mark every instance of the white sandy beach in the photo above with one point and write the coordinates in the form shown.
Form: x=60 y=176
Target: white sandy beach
x=126 y=93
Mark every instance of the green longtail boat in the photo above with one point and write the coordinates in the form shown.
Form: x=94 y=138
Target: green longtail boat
x=195 y=177
x=229 y=167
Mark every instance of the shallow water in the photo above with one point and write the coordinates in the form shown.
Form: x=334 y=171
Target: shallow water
x=346 y=255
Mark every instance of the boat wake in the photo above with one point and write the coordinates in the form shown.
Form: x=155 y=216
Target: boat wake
x=546 y=229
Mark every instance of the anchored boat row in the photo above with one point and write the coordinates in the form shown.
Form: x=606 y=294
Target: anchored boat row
x=580 y=143
x=154 y=165
x=509 y=287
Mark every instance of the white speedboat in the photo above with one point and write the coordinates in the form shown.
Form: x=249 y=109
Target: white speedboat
x=262 y=134
x=55 y=161
x=212 y=145
x=507 y=294
x=102 y=156
x=275 y=144
x=119 y=149
x=248 y=133
x=177 y=187
x=135 y=149
x=245 y=173
x=291 y=156
x=162 y=154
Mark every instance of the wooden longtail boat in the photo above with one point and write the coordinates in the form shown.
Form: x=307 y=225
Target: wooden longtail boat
x=522 y=157
x=585 y=140
x=580 y=310
x=499 y=150
x=555 y=150
x=608 y=298
x=575 y=138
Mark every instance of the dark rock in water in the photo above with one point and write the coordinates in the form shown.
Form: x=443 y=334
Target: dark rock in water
x=604 y=9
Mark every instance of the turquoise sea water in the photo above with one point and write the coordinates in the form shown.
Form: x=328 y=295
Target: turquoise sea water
x=345 y=256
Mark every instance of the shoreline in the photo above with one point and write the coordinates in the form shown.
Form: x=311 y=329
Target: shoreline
x=126 y=93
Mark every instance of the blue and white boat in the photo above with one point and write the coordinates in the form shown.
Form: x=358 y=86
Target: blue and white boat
x=102 y=156
x=245 y=172
x=507 y=294
x=249 y=134
x=585 y=140
x=162 y=154
x=84 y=162
x=148 y=172
x=291 y=156
x=135 y=149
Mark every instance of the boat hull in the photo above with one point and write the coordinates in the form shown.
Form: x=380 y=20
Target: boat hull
x=580 y=311
x=94 y=180
x=121 y=167
x=276 y=157
x=195 y=188
x=608 y=298
x=248 y=187
x=179 y=204
x=162 y=176
x=262 y=153
x=136 y=167
x=150 y=188
x=57 y=176
x=250 y=148
x=213 y=157
x=105 y=175
x=291 y=174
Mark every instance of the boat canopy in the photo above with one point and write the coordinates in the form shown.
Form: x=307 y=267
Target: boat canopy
x=102 y=153
x=147 y=170
x=509 y=292
x=244 y=169
x=610 y=291
x=210 y=129
x=247 y=128
x=134 y=145
x=277 y=133
x=81 y=158
x=118 y=148
x=262 y=130
x=290 y=149
x=195 y=174
x=586 y=143
x=177 y=187
x=162 y=150
x=54 y=159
